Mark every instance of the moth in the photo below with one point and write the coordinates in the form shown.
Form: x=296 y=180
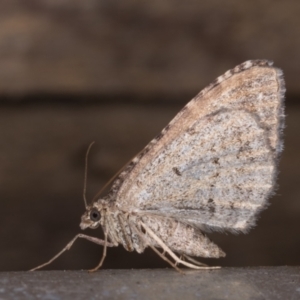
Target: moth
x=212 y=168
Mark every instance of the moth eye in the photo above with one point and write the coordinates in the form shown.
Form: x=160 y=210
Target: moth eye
x=95 y=215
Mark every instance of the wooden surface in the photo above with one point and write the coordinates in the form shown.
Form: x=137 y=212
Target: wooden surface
x=266 y=283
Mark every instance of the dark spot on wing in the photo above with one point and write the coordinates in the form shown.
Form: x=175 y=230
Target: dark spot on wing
x=211 y=206
x=216 y=160
x=191 y=131
x=167 y=128
x=183 y=109
x=212 y=209
x=214 y=83
x=177 y=172
x=159 y=136
x=131 y=164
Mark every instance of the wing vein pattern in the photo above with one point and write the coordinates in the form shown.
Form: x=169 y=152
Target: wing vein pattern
x=214 y=165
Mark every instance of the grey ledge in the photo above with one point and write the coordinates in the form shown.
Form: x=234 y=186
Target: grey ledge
x=226 y=283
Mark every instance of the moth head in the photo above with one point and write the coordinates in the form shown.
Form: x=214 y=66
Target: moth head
x=91 y=218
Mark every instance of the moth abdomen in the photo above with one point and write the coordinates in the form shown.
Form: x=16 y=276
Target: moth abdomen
x=182 y=238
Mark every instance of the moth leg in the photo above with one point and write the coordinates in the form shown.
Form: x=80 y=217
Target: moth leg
x=171 y=253
x=103 y=255
x=194 y=261
x=70 y=244
x=176 y=263
x=162 y=255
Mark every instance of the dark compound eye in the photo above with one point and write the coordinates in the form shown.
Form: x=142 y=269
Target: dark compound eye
x=95 y=215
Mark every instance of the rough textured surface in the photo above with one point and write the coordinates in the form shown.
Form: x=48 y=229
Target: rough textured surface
x=263 y=283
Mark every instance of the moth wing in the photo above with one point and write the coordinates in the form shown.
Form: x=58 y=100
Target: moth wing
x=214 y=165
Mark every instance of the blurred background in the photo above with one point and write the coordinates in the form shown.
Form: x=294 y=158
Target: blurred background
x=116 y=72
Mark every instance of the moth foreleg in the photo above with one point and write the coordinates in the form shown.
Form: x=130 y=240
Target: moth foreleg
x=103 y=255
x=70 y=244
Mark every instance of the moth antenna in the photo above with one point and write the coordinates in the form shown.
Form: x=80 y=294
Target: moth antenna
x=85 y=173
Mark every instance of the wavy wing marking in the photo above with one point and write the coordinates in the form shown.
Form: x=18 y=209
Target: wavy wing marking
x=220 y=179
